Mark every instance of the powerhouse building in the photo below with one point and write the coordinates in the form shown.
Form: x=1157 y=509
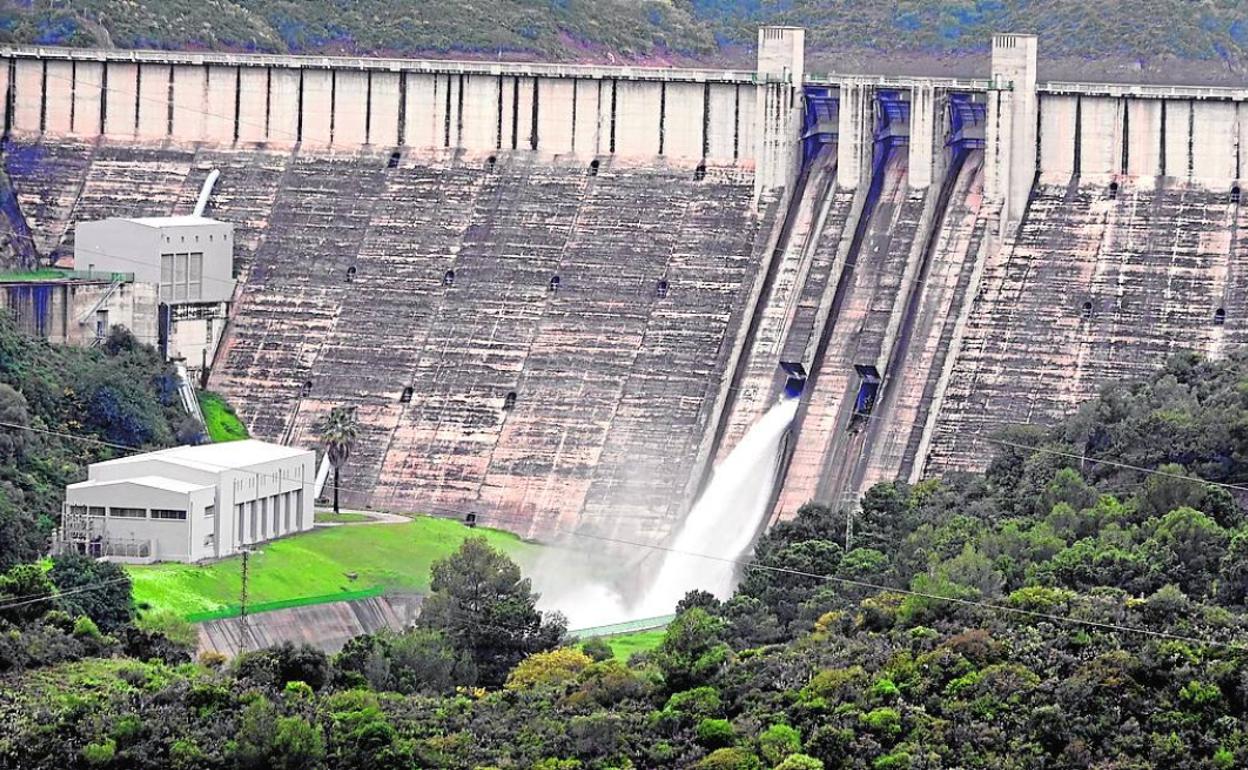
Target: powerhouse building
x=189 y=503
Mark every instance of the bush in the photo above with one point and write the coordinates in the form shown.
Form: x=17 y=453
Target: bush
x=85 y=628
x=800 y=762
x=598 y=649
x=556 y=668
x=100 y=753
x=730 y=759
x=716 y=733
x=778 y=742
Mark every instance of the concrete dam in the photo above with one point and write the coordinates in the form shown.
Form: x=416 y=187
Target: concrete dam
x=557 y=295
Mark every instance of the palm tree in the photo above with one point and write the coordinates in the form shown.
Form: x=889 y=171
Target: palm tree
x=339 y=431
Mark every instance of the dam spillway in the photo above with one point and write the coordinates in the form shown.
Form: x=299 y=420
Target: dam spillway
x=703 y=225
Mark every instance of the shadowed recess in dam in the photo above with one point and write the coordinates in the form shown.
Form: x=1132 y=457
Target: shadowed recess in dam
x=718 y=532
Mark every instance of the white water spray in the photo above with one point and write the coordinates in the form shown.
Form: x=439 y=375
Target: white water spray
x=722 y=525
x=725 y=519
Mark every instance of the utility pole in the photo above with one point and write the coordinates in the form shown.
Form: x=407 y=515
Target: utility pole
x=242 y=593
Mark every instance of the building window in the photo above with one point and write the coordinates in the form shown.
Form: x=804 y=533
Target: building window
x=210 y=512
x=96 y=510
x=168 y=513
x=128 y=513
x=77 y=510
x=181 y=276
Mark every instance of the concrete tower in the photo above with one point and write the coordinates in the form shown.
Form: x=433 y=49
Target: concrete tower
x=781 y=69
x=1010 y=155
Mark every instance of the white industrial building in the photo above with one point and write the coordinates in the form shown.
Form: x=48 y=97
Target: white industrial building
x=189 y=503
x=190 y=261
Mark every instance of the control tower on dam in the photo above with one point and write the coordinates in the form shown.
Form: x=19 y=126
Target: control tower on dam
x=557 y=295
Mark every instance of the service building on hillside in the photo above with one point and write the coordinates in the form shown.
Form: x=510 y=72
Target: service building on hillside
x=189 y=503
x=190 y=261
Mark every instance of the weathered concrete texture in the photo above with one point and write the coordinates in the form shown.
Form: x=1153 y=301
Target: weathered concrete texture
x=190 y=85
x=924 y=344
x=127 y=181
x=244 y=194
x=825 y=450
x=283 y=122
x=637 y=119
x=318 y=108
x=295 y=287
x=1093 y=289
x=59 y=98
x=253 y=104
x=614 y=383
x=350 y=108
x=47 y=178
x=803 y=257
x=153 y=104
x=328 y=627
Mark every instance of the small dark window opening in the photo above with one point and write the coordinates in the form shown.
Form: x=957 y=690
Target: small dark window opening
x=406 y=396
x=351 y=274
x=554 y=283
x=490 y=163
x=1087 y=310
x=660 y=290
x=394 y=159
x=1235 y=194
x=1113 y=190
x=1219 y=317
x=593 y=167
x=470 y=520
x=448 y=279
x=699 y=173
x=307 y=388
x=509 y=401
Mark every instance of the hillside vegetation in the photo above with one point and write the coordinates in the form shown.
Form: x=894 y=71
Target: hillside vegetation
x=1081 y=604
x=1213 y=32
x=317 y=564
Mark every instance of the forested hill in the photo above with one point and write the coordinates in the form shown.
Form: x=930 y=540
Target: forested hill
x=1147 y=39
x=1082 y=604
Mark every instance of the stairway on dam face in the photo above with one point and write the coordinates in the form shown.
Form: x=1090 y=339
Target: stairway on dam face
x=870 y=288
x=125 y=181
x=1094 y=288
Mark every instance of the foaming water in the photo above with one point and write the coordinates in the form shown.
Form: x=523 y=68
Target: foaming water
x=725 y=519
x=721 y=525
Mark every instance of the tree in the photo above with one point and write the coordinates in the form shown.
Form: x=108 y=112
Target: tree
x=691 y=653
x=339 y=432
x=25 y=589
x=487 y=609
x=98 y=589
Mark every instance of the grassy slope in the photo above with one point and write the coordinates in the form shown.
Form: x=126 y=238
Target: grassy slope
x=222 y=423
x=392 y=556
x=643 y=641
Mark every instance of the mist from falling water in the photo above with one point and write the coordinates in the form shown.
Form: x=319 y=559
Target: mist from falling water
x=721 y=525
x=725 y=519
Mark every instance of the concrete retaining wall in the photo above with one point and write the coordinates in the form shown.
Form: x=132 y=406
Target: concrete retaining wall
x=325 y=626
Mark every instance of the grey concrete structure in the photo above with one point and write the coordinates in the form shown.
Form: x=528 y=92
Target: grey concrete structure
x=997 y=247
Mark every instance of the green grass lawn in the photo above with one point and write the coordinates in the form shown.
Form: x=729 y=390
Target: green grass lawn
x=222 y=423
x=388 y=556
x=625 y=645
x=345 y=517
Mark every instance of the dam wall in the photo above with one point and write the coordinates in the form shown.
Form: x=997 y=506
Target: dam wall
x=555 y=294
